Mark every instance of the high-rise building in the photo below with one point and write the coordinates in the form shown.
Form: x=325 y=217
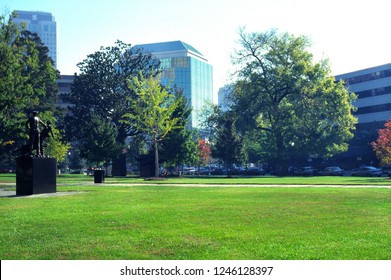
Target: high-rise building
x=188 y=69
x=224 y=97
x=44 y=25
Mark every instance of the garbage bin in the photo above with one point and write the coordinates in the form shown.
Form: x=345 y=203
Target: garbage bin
x=99 y=176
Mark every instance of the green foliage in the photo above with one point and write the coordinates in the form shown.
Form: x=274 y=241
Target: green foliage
x=283 y=93
x=153 y=107
x=152 y=110
x=57 y=149
x=226 y=141
x=102 y=88
x=100 y=144
x=28 y=81
x=16 y=94
x=180 y=145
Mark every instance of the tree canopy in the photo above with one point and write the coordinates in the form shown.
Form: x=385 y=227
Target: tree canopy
x=28 y=81
x=102 y=88
x=180 y=144
x=152 y=111
x=226 y=140
x=382 y=146
x=283 y=93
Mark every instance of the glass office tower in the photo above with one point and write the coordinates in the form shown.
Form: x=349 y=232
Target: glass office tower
x=44 y=25
x=189 y=70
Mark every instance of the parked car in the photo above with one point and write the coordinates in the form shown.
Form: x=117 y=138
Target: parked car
x=368 y=171
x=386 y=171
x=255 y=171
x=332 y=171
x=304 y=171
x=219 y=171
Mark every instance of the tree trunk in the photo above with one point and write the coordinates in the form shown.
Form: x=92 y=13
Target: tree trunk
x=156 y=157
x=229 y=172
x=119 y=163
x=119 y=166
x=283 y=169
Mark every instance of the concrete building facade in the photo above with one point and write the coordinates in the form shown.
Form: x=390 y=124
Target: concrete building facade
x=373 y=89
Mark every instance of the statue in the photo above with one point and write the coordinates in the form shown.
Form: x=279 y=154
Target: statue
x=35 y=142
x=35 y=174
x=46 y=132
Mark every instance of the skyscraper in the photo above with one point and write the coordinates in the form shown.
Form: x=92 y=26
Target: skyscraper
x=44 y=25
x=189 y=70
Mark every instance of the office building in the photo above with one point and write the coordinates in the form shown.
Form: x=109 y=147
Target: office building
x=188 y=69
x=373 y=89
x=64 y=86
x=44 y=25
x=224 y=97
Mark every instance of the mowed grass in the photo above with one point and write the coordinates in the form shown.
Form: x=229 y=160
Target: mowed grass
x=238 y=180
x=194 y=223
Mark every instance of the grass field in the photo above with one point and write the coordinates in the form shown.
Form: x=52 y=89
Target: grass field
x=171 y=222
x=266 y=180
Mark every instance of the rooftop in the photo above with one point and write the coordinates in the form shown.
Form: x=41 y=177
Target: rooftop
x=170 y=47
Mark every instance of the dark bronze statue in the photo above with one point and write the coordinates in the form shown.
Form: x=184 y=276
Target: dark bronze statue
x=35 y=141
x=46 y=132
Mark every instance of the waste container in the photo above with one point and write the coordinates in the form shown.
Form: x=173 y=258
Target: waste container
x=99 y=176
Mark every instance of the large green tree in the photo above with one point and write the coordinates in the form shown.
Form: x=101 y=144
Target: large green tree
x=282 y=92
x=100 y=145
x=180 y=145
x=226 y=140
x=102 y=89
x=28 y=81
x=152 y=111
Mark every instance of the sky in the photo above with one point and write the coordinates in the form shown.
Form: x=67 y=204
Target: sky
x=352 y=34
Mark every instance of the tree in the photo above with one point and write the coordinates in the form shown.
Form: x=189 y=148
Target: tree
x=204 y=152
x=226 y=141
x=17 y=88
x=180 y=145
x=100 y=145
x=382 y=146
x=151 y=112
x=102 y=89
x=291 y=99
x=28 y=81
x=56 y=148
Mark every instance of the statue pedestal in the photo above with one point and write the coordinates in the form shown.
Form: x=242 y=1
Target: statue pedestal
x=35 y=175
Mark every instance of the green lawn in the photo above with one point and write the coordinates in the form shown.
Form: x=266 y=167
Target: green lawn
x=316 y=180
x=168 y=222
x=266 y=180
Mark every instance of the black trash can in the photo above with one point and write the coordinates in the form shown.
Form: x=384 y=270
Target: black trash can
x=99 y=176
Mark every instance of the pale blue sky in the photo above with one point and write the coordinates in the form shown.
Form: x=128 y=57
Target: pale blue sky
x=352 y=34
